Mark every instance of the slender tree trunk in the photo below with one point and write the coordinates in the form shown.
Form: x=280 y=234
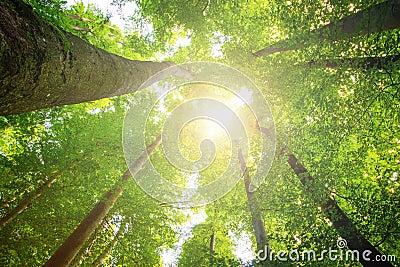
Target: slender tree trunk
x=212 y=242
x=24 y=204
x=343 y=225
x=365 y=63
x=6 y=203
x=380 y=17
x=256 y=216
x=100 y=260
x=68 y=250
x=42 y=66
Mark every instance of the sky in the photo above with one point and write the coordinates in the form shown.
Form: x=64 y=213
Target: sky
x=117 y=16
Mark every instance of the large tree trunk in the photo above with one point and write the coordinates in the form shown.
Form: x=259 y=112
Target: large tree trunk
x=380 y=17
x=42 y=66
x=343 y=225
x=67 y=251
x=24 y=204
x=256 y=216
x=86 y=249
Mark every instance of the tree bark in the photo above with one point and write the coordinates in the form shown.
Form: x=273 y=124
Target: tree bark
x=256 y=216
x=364 y=63
x=380 y=17
x=67 y=251
x=85 y=250
x=343 y=225
x=24 y=204
x=212 y=242
x=42 y=66
x=6 y=203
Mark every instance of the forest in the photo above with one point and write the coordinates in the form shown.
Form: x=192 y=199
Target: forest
x=200 y=133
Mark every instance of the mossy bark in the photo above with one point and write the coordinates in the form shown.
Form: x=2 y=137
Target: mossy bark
x=42 y=66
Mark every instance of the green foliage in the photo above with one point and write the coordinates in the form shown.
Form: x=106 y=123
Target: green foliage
x=196 y=251
x=342 y=123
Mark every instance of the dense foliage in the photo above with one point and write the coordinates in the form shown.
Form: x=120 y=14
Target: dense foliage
x=342 y=122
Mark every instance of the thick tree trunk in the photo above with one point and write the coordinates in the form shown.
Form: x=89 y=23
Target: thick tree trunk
x=100 y=260
x=343 y=225
x=42 y=66
x=86 y=249
x=364 y=63
x=256 y=216
x=24 y=204
x=67 y=251
x=380 y=17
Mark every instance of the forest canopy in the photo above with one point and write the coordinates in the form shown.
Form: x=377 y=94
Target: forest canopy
x=288 y=120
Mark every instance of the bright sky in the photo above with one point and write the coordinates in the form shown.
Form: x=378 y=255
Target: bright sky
x=117 y=16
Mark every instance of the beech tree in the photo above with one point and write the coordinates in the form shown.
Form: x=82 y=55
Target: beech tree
x=27 y=201
x=43 y=66
x=256 y=216
x=379 y=17
x=334 y=104
x=68 y=250
x=365 y=63
x=339 y=219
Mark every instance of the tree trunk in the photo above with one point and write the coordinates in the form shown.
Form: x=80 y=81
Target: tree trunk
x=100 y=260
x=24 y=204
x=256 y=216
x=345 y=228
x=6 y=203
x=42 y=66
x=212 y=242
x=364 y=63
x=67 y=251
x=85 y=250
x=380 y=17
